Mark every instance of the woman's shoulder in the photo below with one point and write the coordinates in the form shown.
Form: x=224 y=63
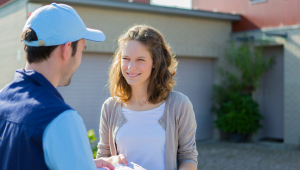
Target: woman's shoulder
x=180 y=104
x=178 y=97
x=110 y=108
x=179 y=101
x=110 y=102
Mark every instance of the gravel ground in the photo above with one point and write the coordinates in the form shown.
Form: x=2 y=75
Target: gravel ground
x=215 y=155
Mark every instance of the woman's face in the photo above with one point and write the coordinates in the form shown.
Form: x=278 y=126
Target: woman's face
x=136 y=64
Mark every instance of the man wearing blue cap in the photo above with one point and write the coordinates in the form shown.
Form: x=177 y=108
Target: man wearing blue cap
x=38 y=130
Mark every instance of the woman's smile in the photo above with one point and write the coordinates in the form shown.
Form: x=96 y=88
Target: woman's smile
x=132 y=75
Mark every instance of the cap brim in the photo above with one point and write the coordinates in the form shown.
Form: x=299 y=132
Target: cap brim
x=94 y=35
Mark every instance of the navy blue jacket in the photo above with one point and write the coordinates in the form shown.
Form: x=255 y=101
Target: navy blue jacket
x=27 y=106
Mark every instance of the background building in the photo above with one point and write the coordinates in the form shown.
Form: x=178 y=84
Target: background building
x=198 y=38
x=256 y=14
x=278 y=22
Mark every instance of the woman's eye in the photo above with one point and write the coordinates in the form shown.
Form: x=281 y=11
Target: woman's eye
x=125 y=59
x=141 y=60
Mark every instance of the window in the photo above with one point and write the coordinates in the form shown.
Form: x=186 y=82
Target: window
x=186 y=4
x=256 y=1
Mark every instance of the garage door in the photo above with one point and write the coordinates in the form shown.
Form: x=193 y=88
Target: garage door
x=88 y=90
x=195 y=80
x=271 y=96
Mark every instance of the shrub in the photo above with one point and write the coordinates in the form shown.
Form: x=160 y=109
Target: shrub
x=92 y=138
x=240 y=114
x=236 y=111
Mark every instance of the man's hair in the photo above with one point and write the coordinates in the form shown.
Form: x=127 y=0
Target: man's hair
x=39 y=54
x=162 y=75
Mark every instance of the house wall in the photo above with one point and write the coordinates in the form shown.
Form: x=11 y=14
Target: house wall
x=2 y=2
x=12 y=20
x=291 y=84
x=188 y=36
x=292 y=87
x=271 y=13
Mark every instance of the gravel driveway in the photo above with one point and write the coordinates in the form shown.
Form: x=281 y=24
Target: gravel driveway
x=214 y=155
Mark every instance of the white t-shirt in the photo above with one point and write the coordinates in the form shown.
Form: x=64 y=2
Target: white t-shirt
x=142 y=139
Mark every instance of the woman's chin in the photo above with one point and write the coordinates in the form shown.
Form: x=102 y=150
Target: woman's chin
x=132 y=83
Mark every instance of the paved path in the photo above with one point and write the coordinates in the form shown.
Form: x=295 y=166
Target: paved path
x=214 y=155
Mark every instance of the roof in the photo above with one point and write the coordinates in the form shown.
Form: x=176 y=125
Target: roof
x=147 y=8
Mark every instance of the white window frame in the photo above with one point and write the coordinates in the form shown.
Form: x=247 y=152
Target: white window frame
x=172 y=3
x=256 y=1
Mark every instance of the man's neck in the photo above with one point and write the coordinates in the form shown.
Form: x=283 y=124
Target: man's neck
x=45 y=68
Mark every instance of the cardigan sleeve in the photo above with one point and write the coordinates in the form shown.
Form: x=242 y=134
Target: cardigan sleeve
x=103 y=145
x=187 y=151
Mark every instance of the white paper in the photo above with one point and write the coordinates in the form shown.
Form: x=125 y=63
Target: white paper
x=123 y=167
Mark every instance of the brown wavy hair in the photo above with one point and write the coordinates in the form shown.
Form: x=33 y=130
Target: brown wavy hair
x=162 y=75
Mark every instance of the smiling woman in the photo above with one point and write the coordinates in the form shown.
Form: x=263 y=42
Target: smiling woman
x=144 y=121
x=142 y=50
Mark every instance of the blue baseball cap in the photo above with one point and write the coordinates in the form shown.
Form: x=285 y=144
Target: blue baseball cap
x=56 y=24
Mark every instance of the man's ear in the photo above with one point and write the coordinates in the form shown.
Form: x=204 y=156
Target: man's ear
x=67 y=50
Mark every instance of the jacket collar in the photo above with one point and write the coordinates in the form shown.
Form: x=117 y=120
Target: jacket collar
x=38 y=78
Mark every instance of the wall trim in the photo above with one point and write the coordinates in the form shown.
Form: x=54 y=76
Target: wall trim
x=148 y=8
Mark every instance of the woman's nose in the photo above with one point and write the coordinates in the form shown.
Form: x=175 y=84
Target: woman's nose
x=131 y=65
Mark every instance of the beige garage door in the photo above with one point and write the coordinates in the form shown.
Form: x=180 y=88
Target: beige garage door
x=271 y=96
x=195 y=80
x=88 y=90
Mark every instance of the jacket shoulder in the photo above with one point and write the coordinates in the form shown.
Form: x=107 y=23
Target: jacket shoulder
x=110 y=102
x=178 y=97
x=110 y=106
x=180 y=103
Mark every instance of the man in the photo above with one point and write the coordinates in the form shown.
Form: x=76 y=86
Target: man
x=38 y=130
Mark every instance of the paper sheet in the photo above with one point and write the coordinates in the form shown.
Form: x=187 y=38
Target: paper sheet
x=123 y=167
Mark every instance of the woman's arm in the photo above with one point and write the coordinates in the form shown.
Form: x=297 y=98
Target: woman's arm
x=187 y=151
x=103 y=145
x=104 y=153
x=187 y=166
x=103 y=163
x=117 y=159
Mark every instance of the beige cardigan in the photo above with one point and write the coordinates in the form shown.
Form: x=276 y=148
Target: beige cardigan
x=178 y=120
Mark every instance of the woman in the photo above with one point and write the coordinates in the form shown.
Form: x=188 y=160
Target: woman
x=145 y=122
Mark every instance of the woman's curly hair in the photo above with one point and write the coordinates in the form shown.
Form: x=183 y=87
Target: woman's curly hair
x=162 y=75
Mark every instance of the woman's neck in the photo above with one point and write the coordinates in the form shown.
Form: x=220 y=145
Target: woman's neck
x=139 y=100
x=139 y=95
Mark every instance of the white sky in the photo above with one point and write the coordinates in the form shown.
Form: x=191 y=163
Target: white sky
x=173 y=3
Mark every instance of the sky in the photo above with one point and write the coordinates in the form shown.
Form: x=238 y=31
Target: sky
x=173 y=3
